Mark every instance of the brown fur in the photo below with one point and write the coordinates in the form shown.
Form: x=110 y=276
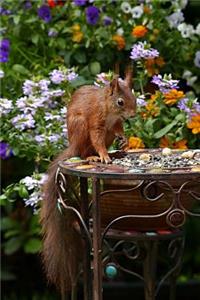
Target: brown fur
x=94 y=119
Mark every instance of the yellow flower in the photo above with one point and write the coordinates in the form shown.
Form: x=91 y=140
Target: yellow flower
x=77 y=36
x=76 y=27
x=139 y=31
x=194 y=124
x=173 y=96
x=165 y=143
x=120 y=41
x=135 y=143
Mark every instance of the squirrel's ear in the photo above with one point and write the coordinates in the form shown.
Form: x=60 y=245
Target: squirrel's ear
x=129 y=75
x=116 y=68
x=114 y=85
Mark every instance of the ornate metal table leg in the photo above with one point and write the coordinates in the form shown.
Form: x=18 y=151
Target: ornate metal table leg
x=97 y=272
x=149 y=269
x=87 y=276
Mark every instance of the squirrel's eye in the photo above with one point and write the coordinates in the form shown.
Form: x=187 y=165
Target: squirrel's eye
x=120 y=102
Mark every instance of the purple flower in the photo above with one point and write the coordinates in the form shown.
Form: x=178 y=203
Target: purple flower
x=23 y=121
x=5 y=151
x=44 y=13
x=101 y=80
x=52 y=33
x=80 y=2
x=92 y=15
x=190 y=107
x=27 y=5
x=142 y=50
x=4 y=50
x=28 y=87
x=44 y=85
x=71 y=75
x=107 y=21
x=4 y=12
x=166 y=83
x=57 y=76
x=141 y=101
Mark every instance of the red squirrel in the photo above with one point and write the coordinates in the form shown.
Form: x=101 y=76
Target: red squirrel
x=95 y=118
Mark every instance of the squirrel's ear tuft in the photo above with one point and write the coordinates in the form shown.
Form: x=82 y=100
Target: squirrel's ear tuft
x=129 y=75
x=114 y=85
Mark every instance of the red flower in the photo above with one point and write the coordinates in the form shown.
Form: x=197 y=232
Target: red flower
x=53 y=3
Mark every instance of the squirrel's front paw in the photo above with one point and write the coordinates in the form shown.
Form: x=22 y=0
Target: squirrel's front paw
x=93 y=158
x=105 y=159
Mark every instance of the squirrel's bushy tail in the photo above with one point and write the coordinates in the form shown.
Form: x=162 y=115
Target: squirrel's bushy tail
x=61 y=243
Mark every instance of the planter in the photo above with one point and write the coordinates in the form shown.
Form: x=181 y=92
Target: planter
x=120 y=202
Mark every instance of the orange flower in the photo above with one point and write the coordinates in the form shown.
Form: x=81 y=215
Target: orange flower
x=139 y=31
x=173 y=96
x=194 y=124
x=135 y=143
x=152 y=109
x=152 y=65
x=165 y=143
x=120 y=41
x=146 y=9
x=180 y=144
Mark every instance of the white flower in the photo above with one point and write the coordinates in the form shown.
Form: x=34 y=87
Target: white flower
x=175 y=19
x=63 y=111
x=197 y=30
x=186 y=30
x=1 y=73
x=5 y=106
x=33 y=199
x=137 y=12
x=120 y=31
x=29 y=182
x=179 y=4
x=125 y=7
x=197 y=59
x=187 y=75
x=43 y=178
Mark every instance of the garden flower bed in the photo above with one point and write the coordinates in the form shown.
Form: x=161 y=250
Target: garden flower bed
x=49 y=48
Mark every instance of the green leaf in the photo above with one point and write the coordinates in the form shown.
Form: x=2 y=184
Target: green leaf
x=95 y=67
x=165 y=130
x=33 y=245
x=8 y=223
x=11 y=233
x=20 y=69
x=3 y=200
x=61 y=43
x=16 y=19
x=23 y=192
x=80 y=57
x=12 y=245
x=6 y=275
x=35 y=38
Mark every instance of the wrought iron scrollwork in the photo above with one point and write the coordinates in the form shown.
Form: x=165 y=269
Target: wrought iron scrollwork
x=128 y=249
x=62 y=185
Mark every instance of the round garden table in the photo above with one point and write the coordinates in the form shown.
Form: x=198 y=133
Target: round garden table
x=112 y=223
